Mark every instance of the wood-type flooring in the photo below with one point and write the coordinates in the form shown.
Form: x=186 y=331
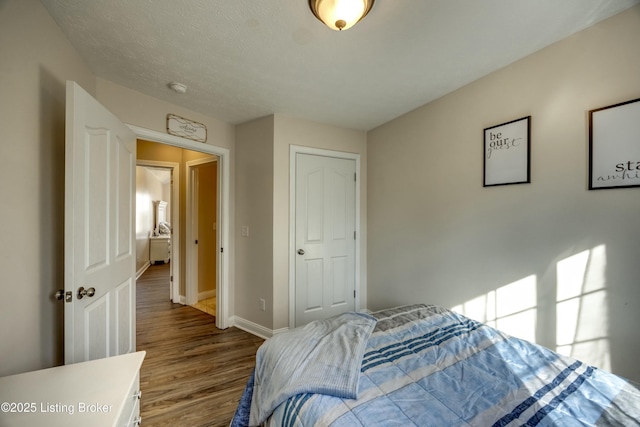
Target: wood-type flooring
x=193 y=374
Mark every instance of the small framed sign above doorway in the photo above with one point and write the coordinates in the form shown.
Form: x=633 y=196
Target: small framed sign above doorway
x=185 y=128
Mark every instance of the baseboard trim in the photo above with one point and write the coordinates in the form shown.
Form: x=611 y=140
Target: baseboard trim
x=206 y=295
x=142 y=270
x=279 y=331
x=254 y=328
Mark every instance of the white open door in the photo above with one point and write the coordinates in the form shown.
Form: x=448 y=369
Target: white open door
x=99 y=283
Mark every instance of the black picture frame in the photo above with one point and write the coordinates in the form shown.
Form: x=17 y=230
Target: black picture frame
x=614 y=146
x=507 y=153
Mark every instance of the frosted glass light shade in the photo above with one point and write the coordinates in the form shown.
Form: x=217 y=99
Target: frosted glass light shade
x=340 y=14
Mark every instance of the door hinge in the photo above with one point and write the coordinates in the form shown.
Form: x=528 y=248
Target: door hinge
x=354 y=235
x=355 y=177
x=171 y=279
x=354 y=294
x=221 y=250
x=196 y=241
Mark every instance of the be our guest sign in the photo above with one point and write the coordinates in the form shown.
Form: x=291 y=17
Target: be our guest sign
x=185 y=128
x=507 y=150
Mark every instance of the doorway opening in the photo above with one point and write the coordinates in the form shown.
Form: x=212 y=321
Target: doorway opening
x=202 y=220
x=157 y=147
x=158 y=220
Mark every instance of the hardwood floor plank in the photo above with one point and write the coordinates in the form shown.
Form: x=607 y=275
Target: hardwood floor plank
x=194 y=373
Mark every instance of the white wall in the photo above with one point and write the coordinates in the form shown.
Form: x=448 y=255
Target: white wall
x=437 y=236
x=36 y=60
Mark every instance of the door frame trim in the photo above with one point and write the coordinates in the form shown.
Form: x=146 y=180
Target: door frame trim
x=224 y=168
x=293 y=151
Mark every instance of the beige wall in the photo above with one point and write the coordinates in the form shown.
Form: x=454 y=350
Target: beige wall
x=148 y=190
x=262 y=174
x=36 y=60
x=137 y=109
x=291 y=131
x=437 y=236
x=254 y=209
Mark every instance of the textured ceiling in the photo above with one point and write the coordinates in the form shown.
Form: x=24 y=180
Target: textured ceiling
x=244 y=59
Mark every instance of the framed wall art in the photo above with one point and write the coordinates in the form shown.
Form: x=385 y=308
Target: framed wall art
x=507 y=153
x=614 y=146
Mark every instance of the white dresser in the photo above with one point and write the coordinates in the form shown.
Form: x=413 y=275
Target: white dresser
x=160 y=248
x=103 y=392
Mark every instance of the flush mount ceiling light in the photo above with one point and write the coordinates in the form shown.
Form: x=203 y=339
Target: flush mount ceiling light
x=340 y=14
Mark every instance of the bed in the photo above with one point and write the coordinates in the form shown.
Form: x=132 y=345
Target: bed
x=426 y=366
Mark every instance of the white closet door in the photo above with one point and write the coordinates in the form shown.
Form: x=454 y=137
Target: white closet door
x=325 y=237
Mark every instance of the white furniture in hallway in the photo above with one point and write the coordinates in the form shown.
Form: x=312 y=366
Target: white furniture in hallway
x=160 y=241
x=159 y=248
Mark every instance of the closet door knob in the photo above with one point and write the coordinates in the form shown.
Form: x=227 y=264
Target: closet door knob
x=300 y=251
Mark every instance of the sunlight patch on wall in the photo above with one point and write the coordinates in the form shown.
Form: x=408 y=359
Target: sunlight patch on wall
x=511 y=308
x=143 y=201
x=582 y=318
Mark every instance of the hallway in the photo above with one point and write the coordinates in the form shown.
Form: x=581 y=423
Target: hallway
x=193 y=374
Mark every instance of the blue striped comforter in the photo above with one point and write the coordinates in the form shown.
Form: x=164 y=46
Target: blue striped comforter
x=322 y=357
x=428 y=366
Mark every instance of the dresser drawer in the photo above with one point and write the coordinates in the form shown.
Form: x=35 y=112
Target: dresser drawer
x=130 y=415
x=159 y=249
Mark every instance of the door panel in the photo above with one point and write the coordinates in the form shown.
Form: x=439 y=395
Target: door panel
x=325 y=237
x=312 y=285
x=340 y=208
x=124 y=201
x=96 y=344
x=314 y=212
x=125 y=314
x=99 y=239
x=340 y=280
x=95 y=189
